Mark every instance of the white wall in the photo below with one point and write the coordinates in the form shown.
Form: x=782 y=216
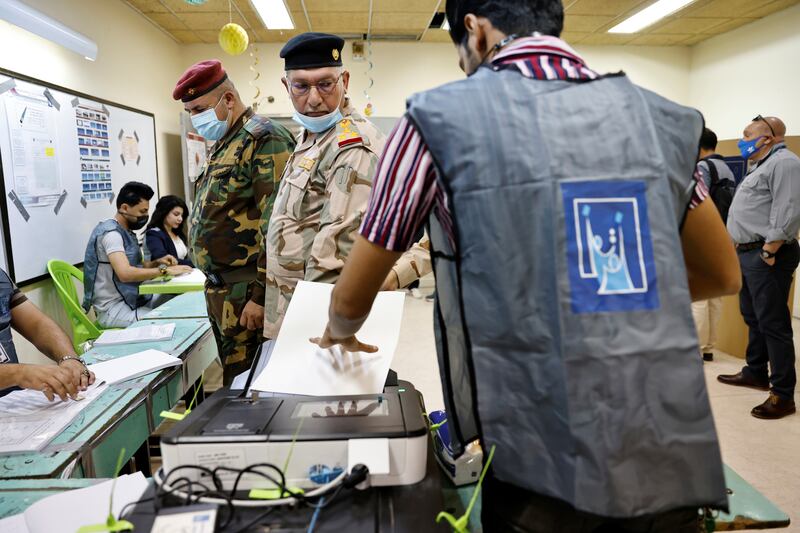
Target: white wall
x=137 y=65
x=401 y=69
x=751 y=70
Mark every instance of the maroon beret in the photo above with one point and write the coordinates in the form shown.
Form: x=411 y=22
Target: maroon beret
x=199 y=79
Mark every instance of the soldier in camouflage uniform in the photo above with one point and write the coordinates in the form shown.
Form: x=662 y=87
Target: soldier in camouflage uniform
x=230 y=214
x=326 y=185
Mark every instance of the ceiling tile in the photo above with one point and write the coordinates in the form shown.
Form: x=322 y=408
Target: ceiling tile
x=405 y=22
x=607 y=38
x=654 y=39
x=728 y=26
x=585 y=23
x=770 y=8
x=690 y=25
x=612 y=8
x=148 y=6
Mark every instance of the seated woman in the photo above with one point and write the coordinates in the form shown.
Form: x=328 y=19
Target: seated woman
x=166 y=232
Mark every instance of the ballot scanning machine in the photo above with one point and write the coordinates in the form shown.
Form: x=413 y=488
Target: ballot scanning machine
x=315 y=438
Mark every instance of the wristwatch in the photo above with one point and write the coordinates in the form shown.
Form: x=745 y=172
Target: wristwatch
x=85 y=370
x=162 y=269
x=766 y=254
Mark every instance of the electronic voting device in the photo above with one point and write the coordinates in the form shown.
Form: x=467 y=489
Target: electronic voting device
x=317 y=435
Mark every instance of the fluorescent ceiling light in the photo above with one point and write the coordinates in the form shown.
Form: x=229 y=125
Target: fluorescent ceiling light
x=649 y=15
x=274 y=14
x=27 y=18
x=446 y=25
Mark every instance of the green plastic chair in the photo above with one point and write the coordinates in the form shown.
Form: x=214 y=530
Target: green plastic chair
x=83 y=328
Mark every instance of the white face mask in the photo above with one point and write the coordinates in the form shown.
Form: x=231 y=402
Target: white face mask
x=208 y=125
x=318 y=124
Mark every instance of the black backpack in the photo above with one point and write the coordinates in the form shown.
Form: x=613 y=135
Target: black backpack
x=721 y=191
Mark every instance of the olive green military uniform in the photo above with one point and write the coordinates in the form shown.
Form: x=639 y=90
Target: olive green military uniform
x=233 y=202
x=320 y=203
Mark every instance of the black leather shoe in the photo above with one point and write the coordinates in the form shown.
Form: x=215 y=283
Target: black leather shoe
x=775 y=407
x=741 y=380
x=708 y=356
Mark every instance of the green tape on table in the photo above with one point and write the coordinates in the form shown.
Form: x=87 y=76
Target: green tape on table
x=171 y=286
x=189 y=305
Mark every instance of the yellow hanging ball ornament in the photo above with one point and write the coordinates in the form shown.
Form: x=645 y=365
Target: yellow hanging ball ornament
x=233 y=39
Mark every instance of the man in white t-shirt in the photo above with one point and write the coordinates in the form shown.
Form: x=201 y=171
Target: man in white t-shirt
x=113 y=265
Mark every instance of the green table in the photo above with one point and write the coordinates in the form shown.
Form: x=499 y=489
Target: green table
x=122 y=417
x=749 y=509
x=17 y=495
x=189 y=305
x=170 y=286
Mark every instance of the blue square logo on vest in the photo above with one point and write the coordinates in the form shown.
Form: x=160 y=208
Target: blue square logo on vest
x=609 y=250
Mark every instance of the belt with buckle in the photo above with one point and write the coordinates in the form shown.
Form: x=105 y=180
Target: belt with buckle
x=748 y=246
x=229 y=277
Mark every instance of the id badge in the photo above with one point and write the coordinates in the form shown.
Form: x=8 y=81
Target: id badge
x=4 y=358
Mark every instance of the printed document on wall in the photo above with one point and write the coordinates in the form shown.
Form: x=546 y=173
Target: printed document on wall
x=35 y=153
x=298 y=366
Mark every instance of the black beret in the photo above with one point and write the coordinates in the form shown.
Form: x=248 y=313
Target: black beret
x=312 y=50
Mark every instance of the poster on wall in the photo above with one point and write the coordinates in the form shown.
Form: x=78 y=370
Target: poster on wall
x=95 y=155
x=33 y=132
x=196 y=149
x=129 y=146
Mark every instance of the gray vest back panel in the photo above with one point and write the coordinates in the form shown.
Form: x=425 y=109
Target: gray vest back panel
x=563 y=319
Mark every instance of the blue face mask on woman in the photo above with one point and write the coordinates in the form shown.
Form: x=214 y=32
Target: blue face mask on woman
x=318 y=124
x=748 y=148
x=208 y=125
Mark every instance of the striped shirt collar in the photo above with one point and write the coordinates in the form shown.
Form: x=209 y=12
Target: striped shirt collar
x=530 y=51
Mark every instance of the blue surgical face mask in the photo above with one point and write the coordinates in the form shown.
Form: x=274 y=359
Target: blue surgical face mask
x=748 y=148
x=318 y=124
x=208 y=125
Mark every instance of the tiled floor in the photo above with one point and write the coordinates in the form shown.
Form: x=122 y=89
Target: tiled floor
x=765 y=453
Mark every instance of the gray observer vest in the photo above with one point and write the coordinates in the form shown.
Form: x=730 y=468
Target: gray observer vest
x=563 y=320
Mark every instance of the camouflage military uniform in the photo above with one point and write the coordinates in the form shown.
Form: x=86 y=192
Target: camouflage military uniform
x=320 y=203
x=234 y=197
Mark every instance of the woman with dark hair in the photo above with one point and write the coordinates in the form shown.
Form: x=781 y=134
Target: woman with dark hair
x=166 y=233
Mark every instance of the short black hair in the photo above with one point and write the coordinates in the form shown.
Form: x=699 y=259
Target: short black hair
x=163 y=208
x=134 y=192
x=520 y=17
x=708 y=140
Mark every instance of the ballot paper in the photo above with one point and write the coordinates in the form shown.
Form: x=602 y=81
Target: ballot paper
x=150 y=333
x=298 y=366
x=29 y=421
x=72 y=509
x=133 y=366
x=195 y=276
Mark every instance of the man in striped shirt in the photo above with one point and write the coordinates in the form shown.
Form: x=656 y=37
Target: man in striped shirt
x=513 y=37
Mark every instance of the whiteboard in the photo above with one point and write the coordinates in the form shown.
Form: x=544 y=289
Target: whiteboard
x=64 y=157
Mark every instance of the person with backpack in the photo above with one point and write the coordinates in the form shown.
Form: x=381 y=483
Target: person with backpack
x=721 y=185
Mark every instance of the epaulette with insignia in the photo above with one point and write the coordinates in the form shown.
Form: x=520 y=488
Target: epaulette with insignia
x=347 y=133
x=259 y=126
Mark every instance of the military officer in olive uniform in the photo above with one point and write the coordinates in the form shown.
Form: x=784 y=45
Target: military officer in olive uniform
x=326 y=185
x=231 y=209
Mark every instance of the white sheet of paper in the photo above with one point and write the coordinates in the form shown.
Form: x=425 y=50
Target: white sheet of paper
x=14 y=524
x=266 y=352
x=298 y=366
x=29 y=421
x=195 y=276
x=73 y=509
x=372 y=453
x=133 y=366
x=149 y=333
